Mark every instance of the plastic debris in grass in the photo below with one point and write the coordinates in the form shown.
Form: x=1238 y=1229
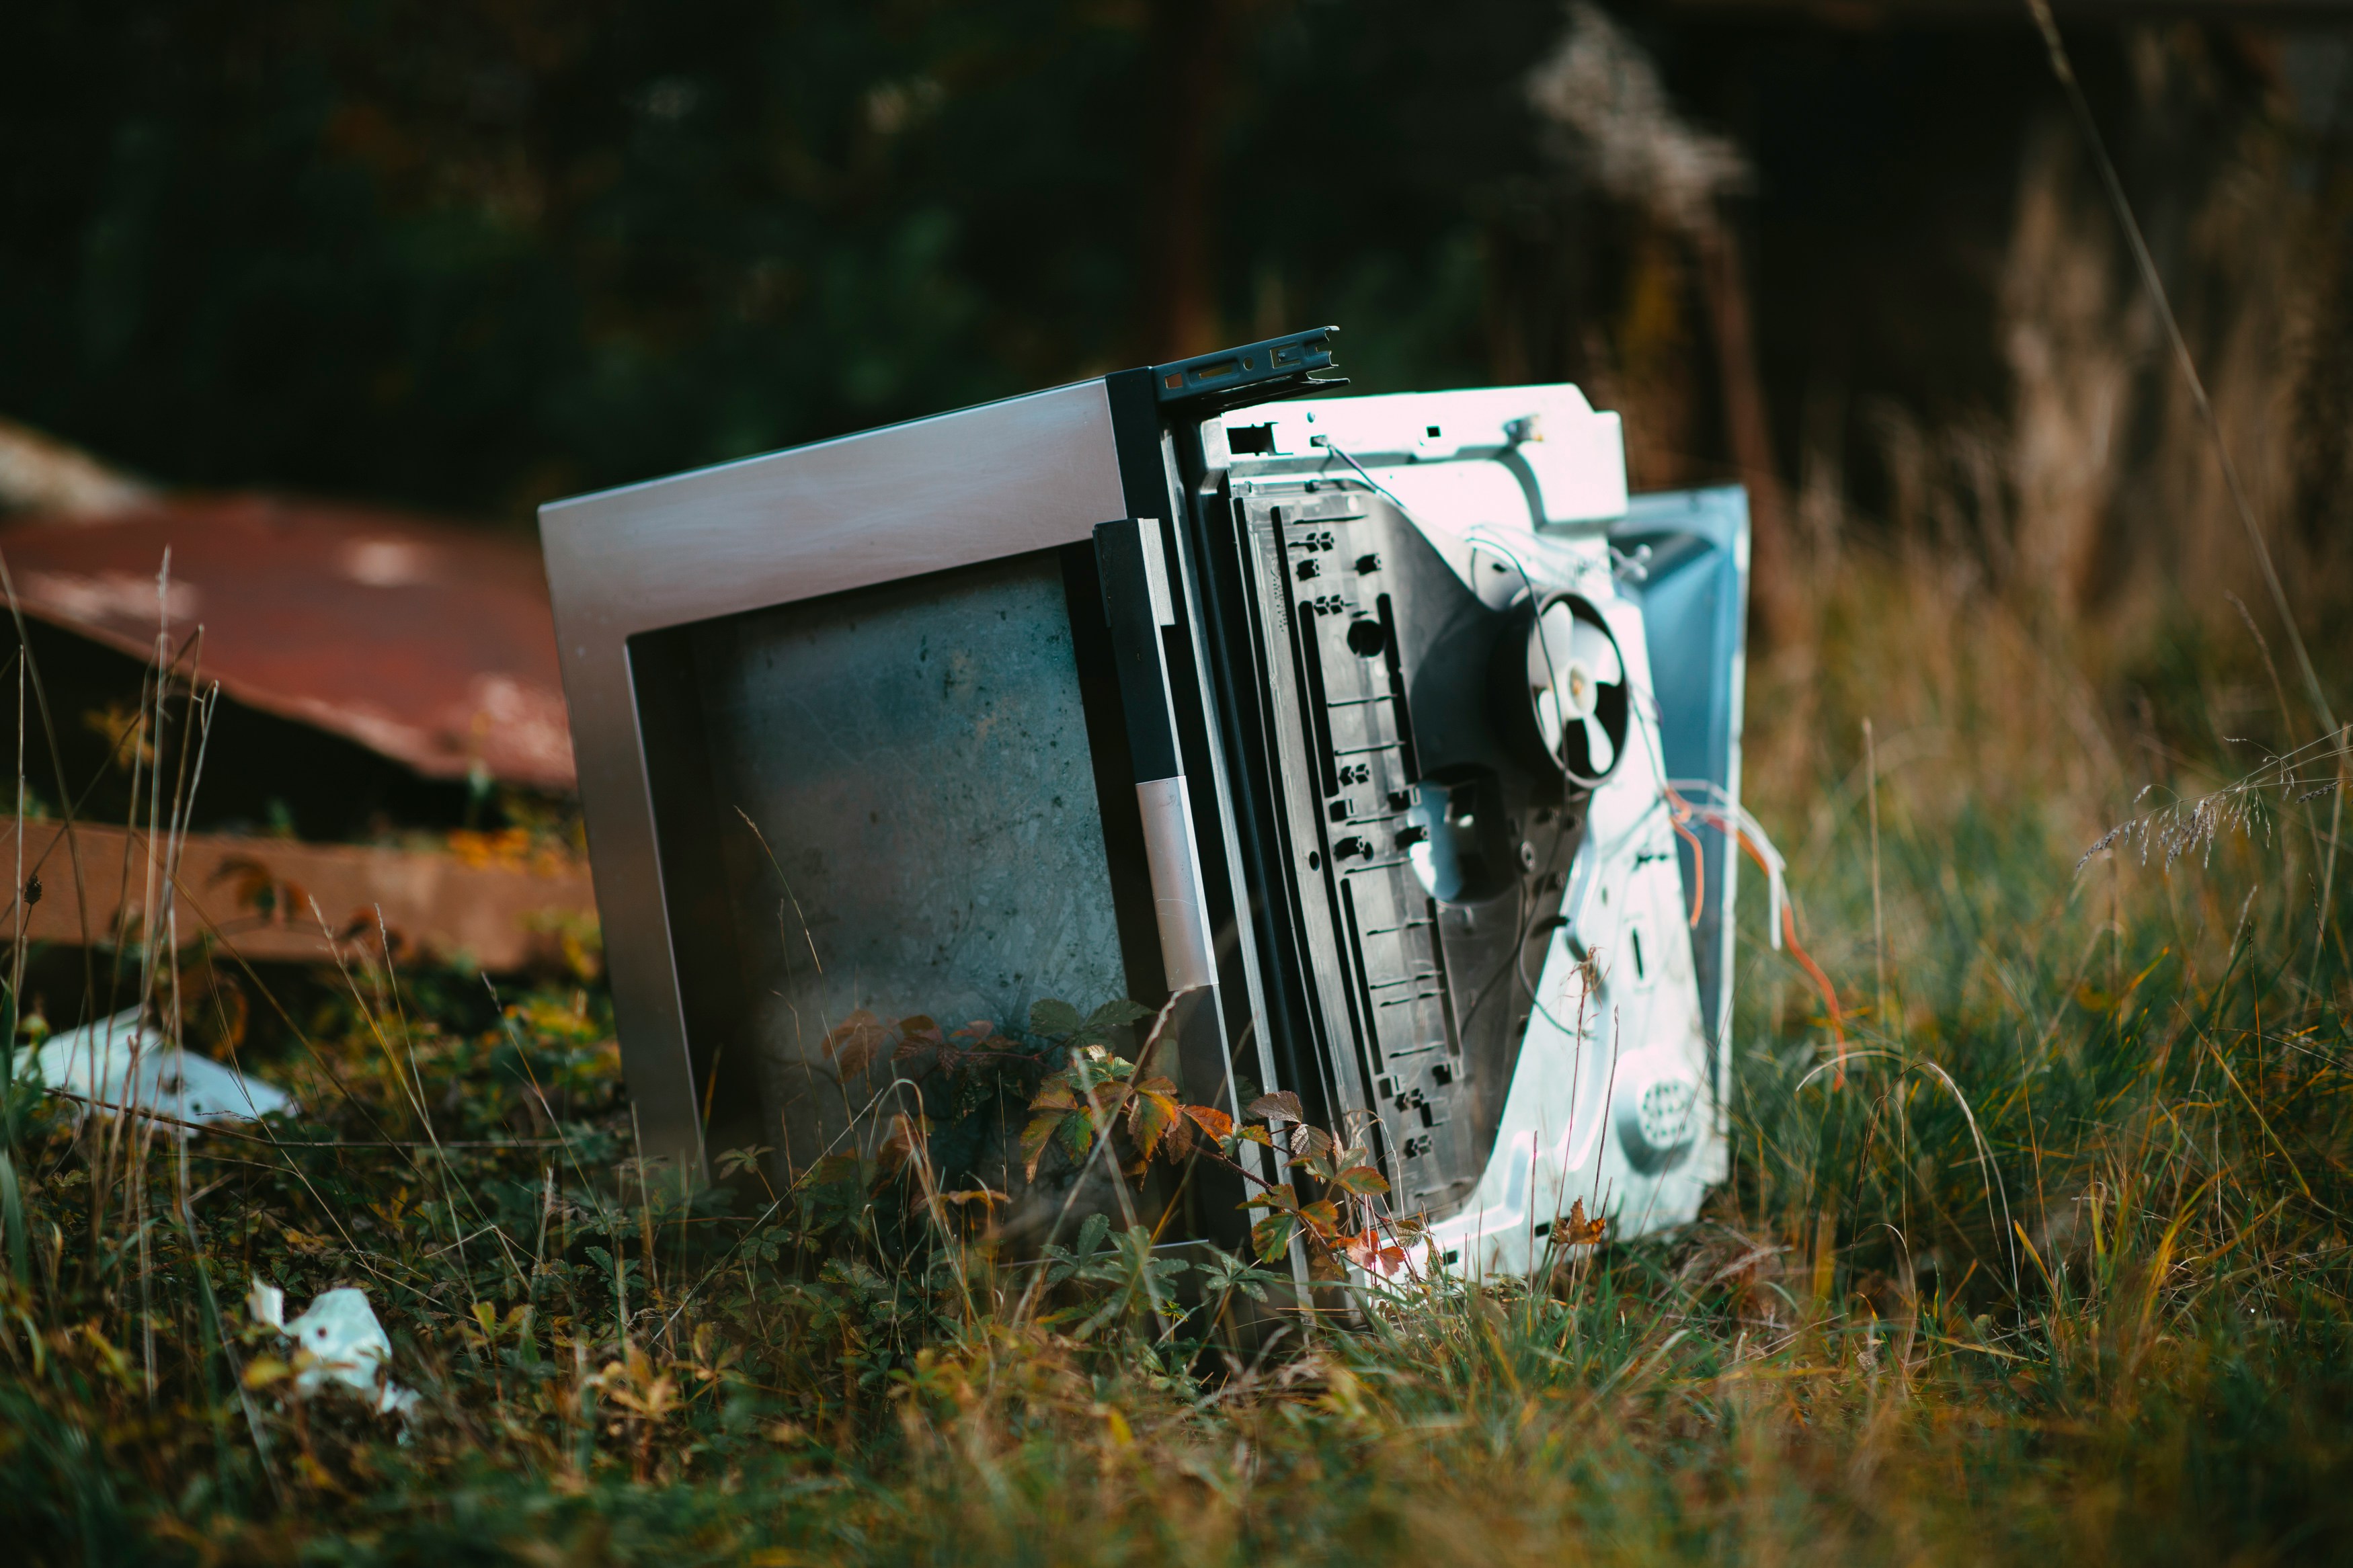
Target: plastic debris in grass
x=337 y=1343
x=122 y=1063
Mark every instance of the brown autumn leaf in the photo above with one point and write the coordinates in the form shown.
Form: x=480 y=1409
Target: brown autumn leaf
x=1150 y=1115
x=1110 y=1100
x=1367 y=1252
x=1281 y=1106
x=1312 y=1145
x=849 y=1027
x=1035 y=1137
x=1211 y=1120
x=917 y=1034
x=1575 y=1230
x=1177 y=1141
x=1361 y=1180
x=854 y=1043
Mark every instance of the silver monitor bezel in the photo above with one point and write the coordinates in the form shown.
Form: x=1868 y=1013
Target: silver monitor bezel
x=955 y=489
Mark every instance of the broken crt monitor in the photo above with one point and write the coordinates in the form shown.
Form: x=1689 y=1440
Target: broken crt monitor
x=1356 y=732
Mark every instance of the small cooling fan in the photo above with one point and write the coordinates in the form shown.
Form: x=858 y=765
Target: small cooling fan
x=1576 y=686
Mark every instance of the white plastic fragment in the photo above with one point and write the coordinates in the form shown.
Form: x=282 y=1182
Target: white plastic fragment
x=266 y=1305
x=342 y=1342
x=122 y=1064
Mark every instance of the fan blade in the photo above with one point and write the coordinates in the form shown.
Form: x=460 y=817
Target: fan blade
x=1549 y=718
x=1554 y=647
x=1599 y=652
x=1600 y=753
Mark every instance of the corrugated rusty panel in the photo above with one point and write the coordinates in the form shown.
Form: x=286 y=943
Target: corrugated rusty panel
x=430 y=644
x=494 y=909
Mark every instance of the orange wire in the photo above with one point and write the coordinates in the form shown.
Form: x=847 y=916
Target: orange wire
x=1699 y=867
x=1829 y=994
x=1684 y=809
x=1805 y=959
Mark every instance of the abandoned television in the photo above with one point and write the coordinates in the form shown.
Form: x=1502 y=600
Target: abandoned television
x=1388 y=736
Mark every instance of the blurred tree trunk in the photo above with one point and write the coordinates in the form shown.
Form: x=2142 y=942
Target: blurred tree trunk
x=1773 y=609
x=1189 y=66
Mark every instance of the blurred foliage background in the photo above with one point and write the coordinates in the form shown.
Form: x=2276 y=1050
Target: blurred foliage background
x=471 y=258
x=474 y=257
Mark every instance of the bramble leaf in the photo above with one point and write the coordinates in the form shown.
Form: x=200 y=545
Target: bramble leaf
x=1363 y=1179
x=1111 y=1014
x=1210 y=1120
x=1225 y=1272
x=1093 y=1063
x=918 y=1034
x=1272 y=1235
x=854 y=1043
x=735 y=1162
x=1279 y=1196
x=1034 y=1139
x=1366 y=1252
x=1281 y=1106
x=1149 y=1116
x=836 y=1168
x=1052 y=1017
x=1313 y=1143
x=1179 y=1141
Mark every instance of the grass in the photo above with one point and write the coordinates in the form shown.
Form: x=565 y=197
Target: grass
x=2057 y=1273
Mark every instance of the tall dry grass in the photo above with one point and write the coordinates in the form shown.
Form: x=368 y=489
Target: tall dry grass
x=2058 y=1270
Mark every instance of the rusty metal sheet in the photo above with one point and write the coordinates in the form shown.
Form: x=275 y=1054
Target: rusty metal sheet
x=431 y=644
x=490 y=902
